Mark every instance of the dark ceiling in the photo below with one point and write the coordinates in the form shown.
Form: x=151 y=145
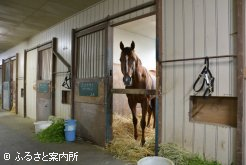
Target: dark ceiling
x=21 y=19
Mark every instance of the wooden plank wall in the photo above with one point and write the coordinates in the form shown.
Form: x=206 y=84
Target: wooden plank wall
x=197 y=28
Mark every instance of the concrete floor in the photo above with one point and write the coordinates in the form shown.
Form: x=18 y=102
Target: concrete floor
x=17 y=137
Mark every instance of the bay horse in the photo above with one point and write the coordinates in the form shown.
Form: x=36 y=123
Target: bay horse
x=135 y=76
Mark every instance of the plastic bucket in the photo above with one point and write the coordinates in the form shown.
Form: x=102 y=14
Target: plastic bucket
x=70 y=130
x=155 y=160
x=70 y=136
x=70 y=125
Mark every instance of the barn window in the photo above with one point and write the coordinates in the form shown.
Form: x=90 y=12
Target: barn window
x=66 y=97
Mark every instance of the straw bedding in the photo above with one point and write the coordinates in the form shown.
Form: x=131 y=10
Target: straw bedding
x=124 y=146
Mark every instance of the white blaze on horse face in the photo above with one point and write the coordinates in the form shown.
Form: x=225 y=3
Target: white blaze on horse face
x=127 y=63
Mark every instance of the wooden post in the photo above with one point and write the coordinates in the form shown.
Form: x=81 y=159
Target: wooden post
x=159 y=54
x=25 y=58
x=240 y=141
x=16 y=82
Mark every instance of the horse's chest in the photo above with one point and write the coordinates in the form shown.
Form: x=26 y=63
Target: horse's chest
x=137 y=98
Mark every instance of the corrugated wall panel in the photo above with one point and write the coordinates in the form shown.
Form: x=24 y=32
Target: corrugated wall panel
x=197 y=28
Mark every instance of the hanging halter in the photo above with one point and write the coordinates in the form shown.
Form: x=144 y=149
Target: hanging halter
x=207 y=78
x=67 y=81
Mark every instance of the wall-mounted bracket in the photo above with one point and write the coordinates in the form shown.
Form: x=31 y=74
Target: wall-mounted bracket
x=62 y=60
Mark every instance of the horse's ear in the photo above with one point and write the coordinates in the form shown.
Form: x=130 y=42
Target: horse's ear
x=121 y=45
x=132 y=45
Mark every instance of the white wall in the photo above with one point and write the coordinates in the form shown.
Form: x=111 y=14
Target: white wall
x=196 y=29
x=144 y=47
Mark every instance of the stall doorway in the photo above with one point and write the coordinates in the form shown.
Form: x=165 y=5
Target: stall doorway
x=9 y=84
x=92 y=77
x=143 y=33
x=39 y=86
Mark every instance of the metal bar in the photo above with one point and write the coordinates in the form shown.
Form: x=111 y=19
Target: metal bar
x=198 y=58
x=156 y=127
x=134 y=91
x=59 y=72
x=110 y=17
x=62 y=59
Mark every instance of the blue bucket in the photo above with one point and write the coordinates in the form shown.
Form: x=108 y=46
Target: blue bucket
x=70 y=136
x=70 y=130
x=70 y=125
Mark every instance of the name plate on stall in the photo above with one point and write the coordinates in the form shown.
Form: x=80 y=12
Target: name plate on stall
x=43 y=87
x=88 y=89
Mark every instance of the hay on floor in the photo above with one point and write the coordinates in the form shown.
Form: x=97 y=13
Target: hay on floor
x=124 y=146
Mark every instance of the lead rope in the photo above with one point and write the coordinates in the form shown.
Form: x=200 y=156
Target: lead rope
x=207 y=78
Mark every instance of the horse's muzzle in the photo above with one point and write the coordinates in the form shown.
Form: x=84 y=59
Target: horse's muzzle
x=127 y=80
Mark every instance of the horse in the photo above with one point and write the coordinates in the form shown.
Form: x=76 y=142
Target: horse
x=135 y=76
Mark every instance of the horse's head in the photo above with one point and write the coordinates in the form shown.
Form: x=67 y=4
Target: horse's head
x=128 y=61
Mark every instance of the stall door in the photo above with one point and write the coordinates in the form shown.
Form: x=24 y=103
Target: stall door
x=44 y=83
x=31 y=78
x=92 y=67
x=7 y=81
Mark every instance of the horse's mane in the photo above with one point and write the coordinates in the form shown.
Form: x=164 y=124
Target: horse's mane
x=139 y=62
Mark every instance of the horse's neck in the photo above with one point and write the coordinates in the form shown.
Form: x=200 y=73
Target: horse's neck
x=138 y=74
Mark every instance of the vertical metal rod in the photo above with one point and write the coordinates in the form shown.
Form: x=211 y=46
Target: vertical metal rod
x=98 y=53
x=86 y=56
x=156 y=127
x=83 y=58
x=79 y=59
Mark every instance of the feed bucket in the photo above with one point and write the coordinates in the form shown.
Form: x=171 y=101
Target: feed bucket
x=155 y=160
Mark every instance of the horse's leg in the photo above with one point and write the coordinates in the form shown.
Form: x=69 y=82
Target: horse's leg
x=133 y=105
x=149 y=115
x=144 y=106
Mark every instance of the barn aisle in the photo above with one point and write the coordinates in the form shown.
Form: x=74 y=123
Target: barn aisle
x=17 y=138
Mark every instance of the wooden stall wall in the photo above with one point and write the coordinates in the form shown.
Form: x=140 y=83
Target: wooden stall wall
x=62 y=31
x=197 y=28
